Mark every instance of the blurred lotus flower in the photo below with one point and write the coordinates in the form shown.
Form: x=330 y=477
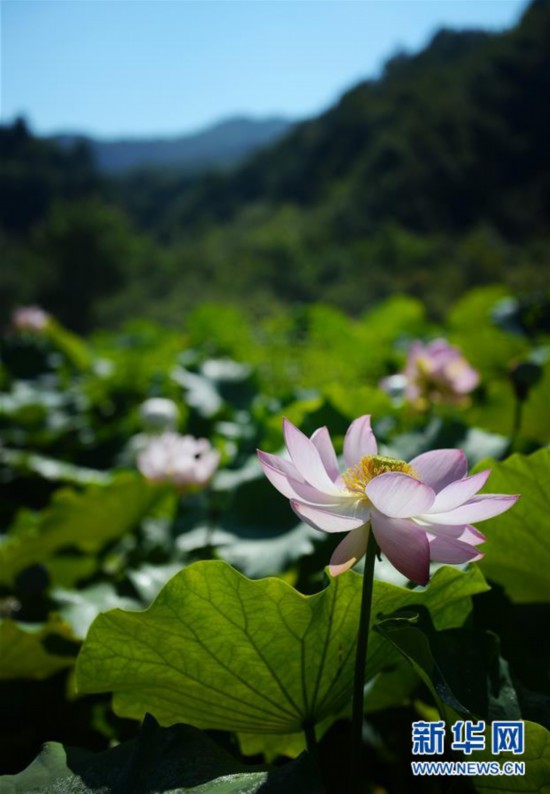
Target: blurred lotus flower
x=418 y=511
x=159 y=414
x=183 y=460
x=436 y=372
x=30 y=318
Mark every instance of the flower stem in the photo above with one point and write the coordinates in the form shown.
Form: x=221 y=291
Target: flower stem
x=356 y=782
x=516 y=425
x=311 y=742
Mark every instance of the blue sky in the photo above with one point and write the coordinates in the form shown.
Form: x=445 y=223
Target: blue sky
x=145 y=67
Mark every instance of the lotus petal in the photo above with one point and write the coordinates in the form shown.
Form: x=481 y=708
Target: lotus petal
x=359 y=441
x=405 y=545
x=479 y=508
x=456 y=493
x=321 y=439
x=398 y=495
x=336 y=520
x=440 y=467
x=349 y=551
x=306 y=458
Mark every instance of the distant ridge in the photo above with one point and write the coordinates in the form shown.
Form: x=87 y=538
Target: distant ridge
x=446 y=139
x=220 y=145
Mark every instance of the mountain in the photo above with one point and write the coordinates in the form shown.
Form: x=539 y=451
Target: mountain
x=220 y=145
x=445 y=139
x=428 y=180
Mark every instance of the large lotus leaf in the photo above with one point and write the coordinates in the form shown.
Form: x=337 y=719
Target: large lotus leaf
x=461 y=667
x=38 y=412
x=397 y=315
x=388 y=689
x=51 y=469
x=535 y=422
x=391 y=688
x=35 y=650
x=446 y=665
x=489 y=348
x=177 y=760
x=537 y=766
x=495 y=408
x=517 y=552
x=67 y=569
x=84 y=520
x=333 y=339
x=221 y=651
x=274 y=745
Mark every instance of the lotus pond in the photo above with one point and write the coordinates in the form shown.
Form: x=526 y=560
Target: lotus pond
x=183 y=613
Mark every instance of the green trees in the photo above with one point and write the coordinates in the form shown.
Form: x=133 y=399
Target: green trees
x=35 y=172
x=428 y=180
x=82 y=253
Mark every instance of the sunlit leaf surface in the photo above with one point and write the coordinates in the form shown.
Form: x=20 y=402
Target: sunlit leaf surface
x=517 y=552
x=221 y=651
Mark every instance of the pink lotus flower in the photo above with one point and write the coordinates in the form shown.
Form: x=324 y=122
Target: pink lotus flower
x=183 y=460
x=418 y=511
x=436 y=372
x=30 y=318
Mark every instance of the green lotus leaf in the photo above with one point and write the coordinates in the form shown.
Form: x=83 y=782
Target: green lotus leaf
x=517 y=552
x=467 y=680
x=461 y=667
x=83 y=520
x=51 y=469
x=218 y=650
x=35 y=650
x=177 y=760
x=535 y=423
x=537 y=766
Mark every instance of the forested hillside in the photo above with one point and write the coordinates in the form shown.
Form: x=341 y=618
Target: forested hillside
x=448 y=138
x=431 y=179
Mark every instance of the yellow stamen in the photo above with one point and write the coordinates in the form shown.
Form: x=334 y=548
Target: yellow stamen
x=357 y=477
